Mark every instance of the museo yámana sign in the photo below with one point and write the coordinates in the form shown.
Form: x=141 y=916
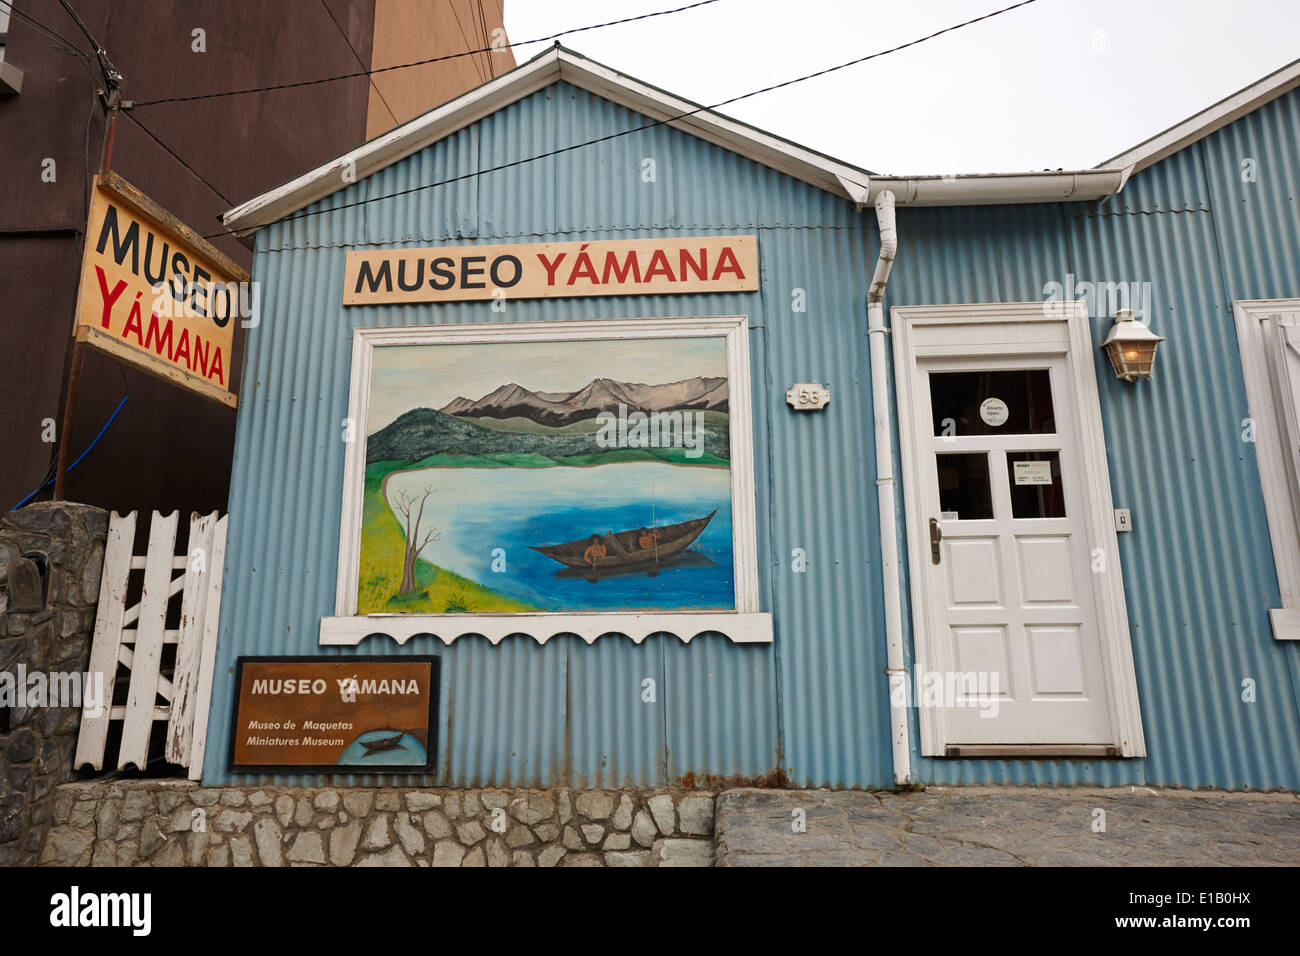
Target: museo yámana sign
x=314 y=713
x=156 y=294
x=552 y=270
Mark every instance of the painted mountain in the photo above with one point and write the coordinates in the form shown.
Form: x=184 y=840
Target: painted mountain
x=600 y=395
x=463 y=495
x=512 y=420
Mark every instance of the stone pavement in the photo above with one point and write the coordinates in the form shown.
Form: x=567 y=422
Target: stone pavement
x=996 y=826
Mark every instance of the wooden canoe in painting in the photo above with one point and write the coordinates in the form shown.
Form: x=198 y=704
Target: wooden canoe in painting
x=381 y=745
x=623 y=548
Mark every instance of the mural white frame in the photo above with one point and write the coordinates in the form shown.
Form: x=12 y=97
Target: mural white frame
x=1004 y=330
x=745 y=624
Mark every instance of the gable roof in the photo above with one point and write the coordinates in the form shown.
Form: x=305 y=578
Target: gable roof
x=557 y=63
x=817 y=169
x=1209 y=120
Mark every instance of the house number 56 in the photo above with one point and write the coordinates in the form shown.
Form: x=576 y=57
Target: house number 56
x=808 y=397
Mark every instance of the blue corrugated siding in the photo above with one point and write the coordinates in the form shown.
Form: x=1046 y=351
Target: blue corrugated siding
x=520 y=713
x=1198 y=571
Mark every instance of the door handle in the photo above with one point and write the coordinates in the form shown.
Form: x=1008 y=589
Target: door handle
x=935 y=537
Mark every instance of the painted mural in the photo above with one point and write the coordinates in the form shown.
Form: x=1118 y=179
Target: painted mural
x=568 y=476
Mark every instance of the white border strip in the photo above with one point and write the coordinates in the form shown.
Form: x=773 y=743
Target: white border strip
x=738 y=628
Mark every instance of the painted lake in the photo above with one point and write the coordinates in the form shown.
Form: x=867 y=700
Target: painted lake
x=479 y=510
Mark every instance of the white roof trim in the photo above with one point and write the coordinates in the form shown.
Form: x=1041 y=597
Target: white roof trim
x=1208 y=121
x=557 y=63
x=840 y=179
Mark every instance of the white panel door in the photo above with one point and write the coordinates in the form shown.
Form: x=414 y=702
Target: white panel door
x=1018 y=657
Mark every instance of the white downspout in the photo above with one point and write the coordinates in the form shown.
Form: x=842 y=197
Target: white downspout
x=876 y=332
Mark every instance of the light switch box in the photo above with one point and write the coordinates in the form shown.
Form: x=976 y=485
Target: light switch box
x=1123 y=519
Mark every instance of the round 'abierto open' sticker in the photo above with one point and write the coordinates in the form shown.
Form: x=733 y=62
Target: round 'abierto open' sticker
x=994 y=411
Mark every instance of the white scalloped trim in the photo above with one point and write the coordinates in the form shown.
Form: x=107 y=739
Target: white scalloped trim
x=755 y=628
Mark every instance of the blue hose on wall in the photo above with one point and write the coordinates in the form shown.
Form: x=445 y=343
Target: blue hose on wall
x=88 y=450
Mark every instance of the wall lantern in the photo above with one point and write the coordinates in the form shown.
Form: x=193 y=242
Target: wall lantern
x=1131 y=347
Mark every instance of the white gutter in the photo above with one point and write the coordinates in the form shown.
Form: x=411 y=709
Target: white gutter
x=876 y=332
x=995 y=188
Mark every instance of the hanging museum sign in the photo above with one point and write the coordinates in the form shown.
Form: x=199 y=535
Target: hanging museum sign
x=552 y=270
x=156 y=294
x=314 y=713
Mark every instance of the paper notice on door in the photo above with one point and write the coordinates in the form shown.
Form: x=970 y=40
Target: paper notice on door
x=1033 y=472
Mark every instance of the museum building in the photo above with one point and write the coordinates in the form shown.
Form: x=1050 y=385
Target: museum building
x=669 y=453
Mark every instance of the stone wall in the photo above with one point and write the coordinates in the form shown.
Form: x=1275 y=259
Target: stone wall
x=177 y=823
x=37 y=743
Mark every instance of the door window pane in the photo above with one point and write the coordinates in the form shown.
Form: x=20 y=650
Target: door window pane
x=964 y=486
x=1036 y=490
x=1005 y=402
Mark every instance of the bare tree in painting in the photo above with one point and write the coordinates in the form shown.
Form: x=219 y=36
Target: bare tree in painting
x=408 y=506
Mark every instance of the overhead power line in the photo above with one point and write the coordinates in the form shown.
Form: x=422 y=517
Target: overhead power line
x=63 y=45
x=432 y=59
x=487 y=37
x=49 y=33
x=651 y=125
x=470 y=49
x=176 y=156
x=112 y=78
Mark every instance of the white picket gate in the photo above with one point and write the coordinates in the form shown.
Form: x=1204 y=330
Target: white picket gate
x=135 y=637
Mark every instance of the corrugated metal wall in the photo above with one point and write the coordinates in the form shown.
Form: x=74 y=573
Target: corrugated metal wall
x=567 y=712
x=1198 y=571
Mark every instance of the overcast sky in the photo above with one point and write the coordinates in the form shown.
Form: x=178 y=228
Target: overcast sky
x=1057 y=84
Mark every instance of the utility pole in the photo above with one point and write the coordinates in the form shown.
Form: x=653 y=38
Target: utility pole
x=112 y=94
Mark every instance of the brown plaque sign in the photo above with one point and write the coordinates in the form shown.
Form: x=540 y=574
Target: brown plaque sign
x=339 y=714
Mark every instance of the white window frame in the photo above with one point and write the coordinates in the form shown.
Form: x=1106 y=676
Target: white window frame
x=1059 y=328
x=745 y=624
x=1265 y=399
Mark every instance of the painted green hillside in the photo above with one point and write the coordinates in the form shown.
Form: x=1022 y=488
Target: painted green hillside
x=425 y=432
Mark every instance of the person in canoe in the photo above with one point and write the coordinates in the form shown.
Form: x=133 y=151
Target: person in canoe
x=596 y=549
x=626 y=549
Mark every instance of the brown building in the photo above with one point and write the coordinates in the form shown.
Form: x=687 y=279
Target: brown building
x=167 y=448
